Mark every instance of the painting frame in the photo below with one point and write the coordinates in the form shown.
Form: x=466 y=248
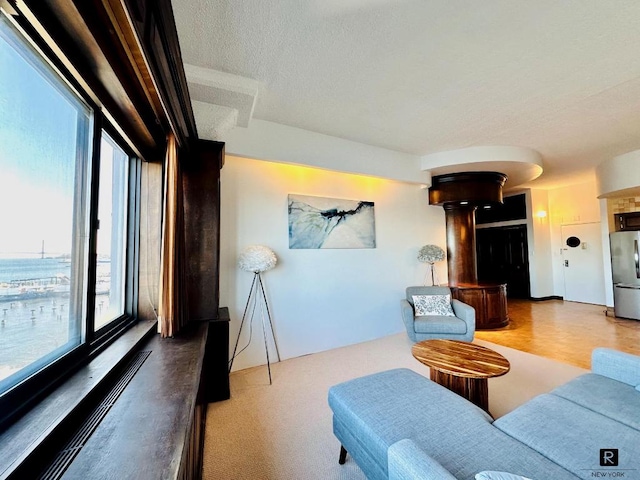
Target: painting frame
x=316 y=222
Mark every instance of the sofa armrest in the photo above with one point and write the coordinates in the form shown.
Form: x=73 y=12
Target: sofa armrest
x=620 y=366
x=407 y=461
x=465 y=312
x=408 y=319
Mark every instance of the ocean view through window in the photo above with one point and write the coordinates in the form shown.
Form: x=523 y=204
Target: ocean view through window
x=70 y=197
x=45 y=131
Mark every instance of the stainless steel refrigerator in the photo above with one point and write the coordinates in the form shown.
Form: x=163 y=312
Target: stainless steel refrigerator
x=625 y=265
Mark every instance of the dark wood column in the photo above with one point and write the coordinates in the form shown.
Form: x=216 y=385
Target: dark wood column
x=460 y=194
x=201 y=183
x=461 y=243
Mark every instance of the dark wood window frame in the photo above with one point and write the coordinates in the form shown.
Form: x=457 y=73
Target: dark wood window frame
x=125 y=55
x=28 y=393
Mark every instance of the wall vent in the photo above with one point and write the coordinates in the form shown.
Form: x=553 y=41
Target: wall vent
x=73 y=447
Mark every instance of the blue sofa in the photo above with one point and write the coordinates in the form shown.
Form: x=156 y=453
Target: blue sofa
x=400 y=425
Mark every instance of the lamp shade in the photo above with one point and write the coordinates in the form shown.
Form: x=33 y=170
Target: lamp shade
x=256 y=259
x=430 y=254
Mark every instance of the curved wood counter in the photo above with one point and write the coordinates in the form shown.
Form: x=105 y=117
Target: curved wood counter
x=489 y=300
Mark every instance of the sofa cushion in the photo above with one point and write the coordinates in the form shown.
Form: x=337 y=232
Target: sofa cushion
x=615 y=364
x=380 y=409
x=425 y=290
x=439 y=324
x=407 y=461
x=433 y=305
x=613 y=399
x=373 y=467
x=491 y=475
x=571 y=435
x=372 y=413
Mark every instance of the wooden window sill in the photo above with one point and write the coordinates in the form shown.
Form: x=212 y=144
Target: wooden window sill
x=21 y=440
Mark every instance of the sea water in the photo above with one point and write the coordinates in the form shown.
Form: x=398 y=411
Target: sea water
x=31 y=325
x=41 y=319
x=12 y=269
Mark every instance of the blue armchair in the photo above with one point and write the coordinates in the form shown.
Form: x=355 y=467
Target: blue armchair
x=459 y=326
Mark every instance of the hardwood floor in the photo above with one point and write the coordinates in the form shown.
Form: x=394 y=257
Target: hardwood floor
x=564 y=331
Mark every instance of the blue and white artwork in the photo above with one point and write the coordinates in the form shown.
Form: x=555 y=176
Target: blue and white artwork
x=319 y=222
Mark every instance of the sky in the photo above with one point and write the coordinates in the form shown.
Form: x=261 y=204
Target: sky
x=38 y=131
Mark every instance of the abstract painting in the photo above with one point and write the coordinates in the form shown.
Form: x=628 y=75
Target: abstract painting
x=319 y=222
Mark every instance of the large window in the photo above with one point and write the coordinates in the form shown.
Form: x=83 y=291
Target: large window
x=63 y=216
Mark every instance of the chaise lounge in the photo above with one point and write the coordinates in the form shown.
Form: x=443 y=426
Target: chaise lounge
x=400 y=425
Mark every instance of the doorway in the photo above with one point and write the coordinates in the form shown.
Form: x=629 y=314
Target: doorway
x=503 y=257
x=582 y=263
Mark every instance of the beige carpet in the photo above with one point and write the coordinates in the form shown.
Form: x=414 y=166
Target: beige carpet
x=283 y=431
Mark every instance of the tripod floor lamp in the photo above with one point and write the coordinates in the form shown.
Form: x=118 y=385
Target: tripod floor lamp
x=256 y=259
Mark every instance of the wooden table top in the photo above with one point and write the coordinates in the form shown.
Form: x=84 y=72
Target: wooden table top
x=461 y=359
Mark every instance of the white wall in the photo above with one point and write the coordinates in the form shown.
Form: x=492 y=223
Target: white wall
x=606 y=253
x=276 y=142
x=572 y=205
x=540 y=264
x=321 y=299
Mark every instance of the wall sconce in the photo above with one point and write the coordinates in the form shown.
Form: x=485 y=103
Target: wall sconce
x=541 y=214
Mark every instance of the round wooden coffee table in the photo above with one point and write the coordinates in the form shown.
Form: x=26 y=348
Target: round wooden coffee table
x=462 y=367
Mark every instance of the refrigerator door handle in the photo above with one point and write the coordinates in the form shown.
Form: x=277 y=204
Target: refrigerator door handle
x=635 y=257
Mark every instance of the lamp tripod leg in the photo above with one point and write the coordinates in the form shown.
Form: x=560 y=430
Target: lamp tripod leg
x=244 y=316
x=264 y=296
x=253 y=293
x=266 y=347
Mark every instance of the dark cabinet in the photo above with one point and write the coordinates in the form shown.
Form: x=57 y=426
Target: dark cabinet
x=503 y=257
x=489 y=301
x=216 y=359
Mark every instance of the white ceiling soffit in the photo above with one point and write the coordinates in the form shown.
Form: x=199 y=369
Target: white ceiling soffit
x=224 y=90
x=619 y=176
x=420 y=77
x=214 y=122
x=520 y=164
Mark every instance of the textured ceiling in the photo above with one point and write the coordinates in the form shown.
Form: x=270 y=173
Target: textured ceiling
x=426 y=76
